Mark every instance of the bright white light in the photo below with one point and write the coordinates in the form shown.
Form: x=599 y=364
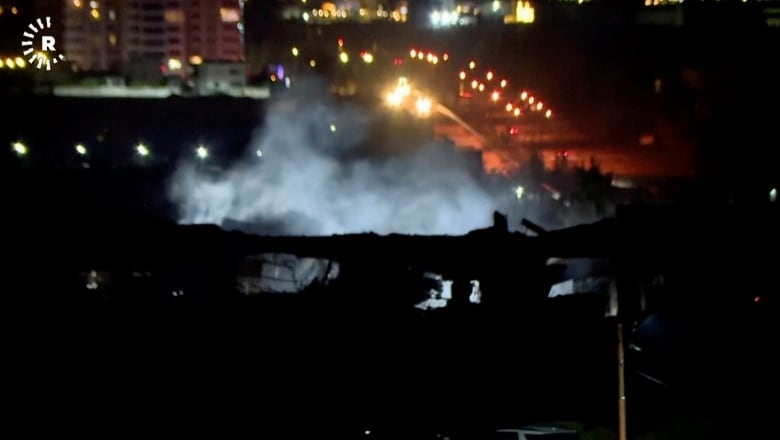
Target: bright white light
x=81 y=149
x=142 y=150
x=305 y=16
x=476 y=293
x=332 y=128
x=343 y=57
x=394 y=99
x=259 y=153
x=368 y=58
x=423 y=106
x=519 y=192
x=202 y=152
x=19 y=148
x=773 y=195
x=295 y=51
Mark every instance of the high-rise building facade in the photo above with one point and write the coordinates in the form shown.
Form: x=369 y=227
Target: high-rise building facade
x=91 y=30
x=110 y=34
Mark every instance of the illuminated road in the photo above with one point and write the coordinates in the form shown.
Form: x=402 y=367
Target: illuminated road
x=510 y=125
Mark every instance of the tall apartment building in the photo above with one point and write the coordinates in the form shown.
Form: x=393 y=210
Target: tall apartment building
x=91 y=32
x=111 y=34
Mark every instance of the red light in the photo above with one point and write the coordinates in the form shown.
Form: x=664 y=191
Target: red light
x=756 y=298
x=514 y=130
x=398 y=61
x=341 y=42
x=565 y=154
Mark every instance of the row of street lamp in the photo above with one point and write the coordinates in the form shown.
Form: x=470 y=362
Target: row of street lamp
x=141 y=150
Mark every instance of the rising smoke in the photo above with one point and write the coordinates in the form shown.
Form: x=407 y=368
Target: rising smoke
x=313 y=180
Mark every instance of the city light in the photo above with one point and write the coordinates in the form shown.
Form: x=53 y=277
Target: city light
x=462 y=75
x=341 y=42
x=312 y=63
x=294 y=51
x=196 y=60
x=420 y=56
x=367 y=58
x=481 y=87
x=202 y=152
x=343 y=57
x=20 y=62
x=474 y=84
x=394 y=99
x=472 y=65
x=489 y=76
x=81 y=150
x=495 y=96
x=445 y=57
x=539 y=105
x=142 y=150
x=509 y=107
x=19 y=148
x=524 y=95
x=503 y=83
x=259 y=153
x=413 y=53
x=423 y=106
x=516 y=112
x=10 y=63
x=332 y=128
x=548 y=114
x=531 y=100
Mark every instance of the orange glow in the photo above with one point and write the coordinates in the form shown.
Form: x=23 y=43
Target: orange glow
x=509 y=107
x=462 y=75
x=495 y=96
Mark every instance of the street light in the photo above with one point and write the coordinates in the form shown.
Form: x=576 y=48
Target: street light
x=472 y=65
x=19 y=148
x=295 y=51
x=81 y=150
x=142 y=150
x=202 y=152
x=462 y=75
x=343 y=57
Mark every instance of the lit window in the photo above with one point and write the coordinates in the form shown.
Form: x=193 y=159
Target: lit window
x=229 y=15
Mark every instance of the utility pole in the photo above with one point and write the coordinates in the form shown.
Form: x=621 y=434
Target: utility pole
x=621 y=384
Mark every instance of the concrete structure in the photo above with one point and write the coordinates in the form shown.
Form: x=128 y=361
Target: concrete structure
x=220 y=78
x=91 y=32
x=168 y=34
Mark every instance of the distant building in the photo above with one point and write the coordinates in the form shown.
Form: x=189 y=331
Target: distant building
x=152 y=34
x=220 y=78
x=91 y=33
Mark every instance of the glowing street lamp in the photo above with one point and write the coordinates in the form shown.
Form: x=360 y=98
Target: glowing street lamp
x=474 y=84
x=509 y=107
x=489 y=76
x=524 y=95
x=531 y=100
x=142 y=150
x=19 y=148
x=548 y=114
x=413 y=53
x=343 y=57
x=495 y=96
x=503 y=83
x=368 y=58
x=202 y=152
x=462 y=75
x=516 y=112
x=481 y=87
x=472 y=65
x=81 y=150
x=539 y=105
x=295 y=51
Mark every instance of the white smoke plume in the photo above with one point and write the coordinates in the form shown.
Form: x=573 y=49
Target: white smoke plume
x=314 y=179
